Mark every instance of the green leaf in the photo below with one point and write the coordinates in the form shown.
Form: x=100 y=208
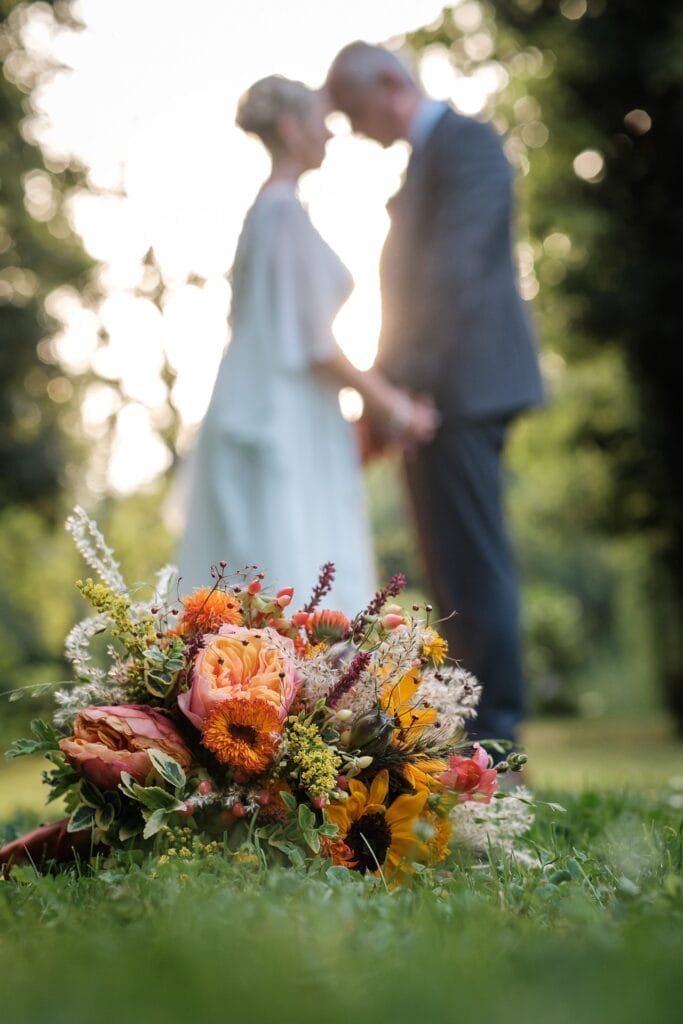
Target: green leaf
x=168 y=768
x=46 y=733
x=22 y=747
x=306 y=818
x=288 y=800
x=291 y=850
x=83 y=817
x=128 y=785
x=337 y=873
x=46 y=738
x=92 y=796
x=151 y=797
x=154 y=797
x=155 y=655
x=127 y=830
x=157 y=684
x=154 y=823
x=104 y=816
x=312 y=840
x=328 y=829
x=574 y=869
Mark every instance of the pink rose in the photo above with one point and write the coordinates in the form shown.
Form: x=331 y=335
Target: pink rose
x=244 y=663
x=111 y=740
x=472 y=778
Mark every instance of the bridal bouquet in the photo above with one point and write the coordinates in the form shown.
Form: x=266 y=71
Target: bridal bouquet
x=223 y=722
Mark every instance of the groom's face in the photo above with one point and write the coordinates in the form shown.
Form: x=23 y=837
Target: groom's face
x=370 y=111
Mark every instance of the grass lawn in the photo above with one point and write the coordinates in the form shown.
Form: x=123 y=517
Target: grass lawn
x=592 y=931
x=594 y=934
x=573 y=753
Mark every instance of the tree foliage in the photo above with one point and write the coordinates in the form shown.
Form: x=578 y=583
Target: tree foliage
x=590 y=103
x=38 y=253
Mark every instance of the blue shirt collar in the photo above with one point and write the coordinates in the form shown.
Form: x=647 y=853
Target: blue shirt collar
x=424 y=121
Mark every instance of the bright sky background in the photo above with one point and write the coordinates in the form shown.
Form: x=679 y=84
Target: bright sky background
x=147 y=103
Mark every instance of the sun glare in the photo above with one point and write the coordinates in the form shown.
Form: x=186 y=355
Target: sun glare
x=145 y=101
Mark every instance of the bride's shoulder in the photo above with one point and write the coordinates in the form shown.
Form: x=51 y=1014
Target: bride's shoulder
x=278 y=195
x=278 y=207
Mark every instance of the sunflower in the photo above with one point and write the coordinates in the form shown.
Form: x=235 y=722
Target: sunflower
x=420 y=771
x=205 y=611
x=417 y=767
x=243 y=733
x=401 y=701
x=377 y=835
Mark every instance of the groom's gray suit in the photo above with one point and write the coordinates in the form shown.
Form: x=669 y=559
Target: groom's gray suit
x=454 y=326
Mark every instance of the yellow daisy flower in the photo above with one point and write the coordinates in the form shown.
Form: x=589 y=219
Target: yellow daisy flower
x=401 y=701
x=438 y=844
x=434 y=647
x=379 y=836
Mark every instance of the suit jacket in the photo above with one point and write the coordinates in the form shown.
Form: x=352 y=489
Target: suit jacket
x=453 y=322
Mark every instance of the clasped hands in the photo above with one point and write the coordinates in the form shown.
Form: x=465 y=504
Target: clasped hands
x=413 y=419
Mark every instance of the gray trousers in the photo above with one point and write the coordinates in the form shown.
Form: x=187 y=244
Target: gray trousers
x=456 y=490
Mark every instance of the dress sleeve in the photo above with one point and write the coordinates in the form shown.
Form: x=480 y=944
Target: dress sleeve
x=306 y=286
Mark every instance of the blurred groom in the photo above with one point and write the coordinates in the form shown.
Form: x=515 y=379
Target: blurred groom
x=454 y=328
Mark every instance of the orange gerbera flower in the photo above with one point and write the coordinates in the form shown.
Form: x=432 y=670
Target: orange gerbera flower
x=243 y=733
x=205 y=611
x=327 y=626
x=337 y=851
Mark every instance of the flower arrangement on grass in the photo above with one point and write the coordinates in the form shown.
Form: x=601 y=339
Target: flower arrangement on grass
x=297 y=735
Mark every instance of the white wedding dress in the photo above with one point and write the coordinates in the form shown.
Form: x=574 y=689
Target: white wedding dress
x=275 y=477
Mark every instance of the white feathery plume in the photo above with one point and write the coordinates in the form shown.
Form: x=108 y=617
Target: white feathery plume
x=165 y=585
x=70 y=702
x=454 y=694
x=94 y=549
x=77 y=647
x=496 y=825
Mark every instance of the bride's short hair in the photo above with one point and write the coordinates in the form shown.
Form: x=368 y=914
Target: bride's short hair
x=261 y=106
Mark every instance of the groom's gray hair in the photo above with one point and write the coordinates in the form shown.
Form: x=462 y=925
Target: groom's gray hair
x=361 y=64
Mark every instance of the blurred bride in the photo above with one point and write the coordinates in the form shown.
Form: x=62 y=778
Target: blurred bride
x=275 y=478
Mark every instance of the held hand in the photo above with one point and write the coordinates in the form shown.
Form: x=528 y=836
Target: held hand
x=426 y=419
x=414 y=420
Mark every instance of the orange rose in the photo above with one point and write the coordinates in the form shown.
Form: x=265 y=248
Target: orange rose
x=109 y=740
x=241 y=663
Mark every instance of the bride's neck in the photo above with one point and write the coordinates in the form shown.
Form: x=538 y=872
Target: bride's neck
x=286 y=168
